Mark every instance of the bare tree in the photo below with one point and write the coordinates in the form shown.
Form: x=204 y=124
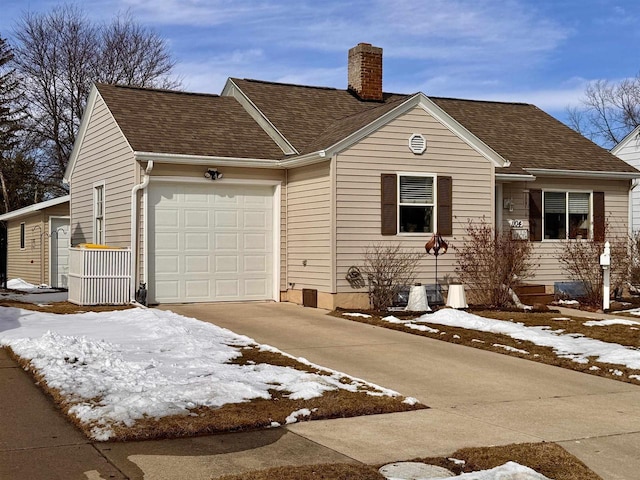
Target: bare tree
x=60 y=54
x=609 y=111
x=18 y=182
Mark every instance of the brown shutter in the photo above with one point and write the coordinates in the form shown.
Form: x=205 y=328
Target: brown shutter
x=598 y=216
x=535 y=215
x=445 y=206
x=389 y=206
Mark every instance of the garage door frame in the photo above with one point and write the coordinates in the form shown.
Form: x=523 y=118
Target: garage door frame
x=277 y=187
x=65 y=219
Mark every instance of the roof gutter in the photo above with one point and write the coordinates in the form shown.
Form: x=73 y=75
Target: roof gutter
x=204 y=160
x=549 y=172
x=515 y=177
x=36 y=207
x=134 y=229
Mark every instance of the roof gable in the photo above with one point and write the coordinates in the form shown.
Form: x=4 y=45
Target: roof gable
x=303 y=114
x=633 y=136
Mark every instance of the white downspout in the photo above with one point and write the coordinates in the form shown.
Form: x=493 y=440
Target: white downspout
x=134 y=227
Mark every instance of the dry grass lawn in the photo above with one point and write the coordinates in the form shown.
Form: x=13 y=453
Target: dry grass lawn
x=621 y=334
x=549 y=459
x=62 y=307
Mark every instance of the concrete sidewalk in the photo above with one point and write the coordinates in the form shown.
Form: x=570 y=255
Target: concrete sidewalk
x=478 y=398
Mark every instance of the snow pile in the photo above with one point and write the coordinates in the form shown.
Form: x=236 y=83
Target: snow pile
x=356 y=314
x=20 y=284
x=572 y=345
x=604 y=323
x=141 y=362
x=508 y=471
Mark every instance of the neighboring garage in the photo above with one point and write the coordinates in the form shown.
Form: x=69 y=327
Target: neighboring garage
x=211 y=242
x=38 y=242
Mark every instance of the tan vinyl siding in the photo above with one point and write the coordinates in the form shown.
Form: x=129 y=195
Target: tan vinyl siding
x=387 y=151
x=197 y=172
x=309 y=229
x=105 y=156
x=29 y=263
x=616 y=195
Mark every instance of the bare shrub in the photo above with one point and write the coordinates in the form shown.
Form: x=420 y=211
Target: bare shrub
x=634 y=260
x=387 y=268
x=581 y=261
x=492 y=263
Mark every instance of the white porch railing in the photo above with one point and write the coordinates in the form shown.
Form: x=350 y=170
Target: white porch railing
x=99 y=276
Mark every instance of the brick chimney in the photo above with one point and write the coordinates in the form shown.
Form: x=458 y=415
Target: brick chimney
x=365 y=72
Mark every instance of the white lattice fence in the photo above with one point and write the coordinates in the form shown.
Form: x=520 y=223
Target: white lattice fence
x=99 y=276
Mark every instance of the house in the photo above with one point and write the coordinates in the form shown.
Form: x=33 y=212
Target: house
x=629 y=150
x=38 y=242
x=273 y=191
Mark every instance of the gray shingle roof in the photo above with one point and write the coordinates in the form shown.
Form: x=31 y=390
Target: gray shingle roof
x=182 y=123
x=304 y=115
x=315 y=118
x=530 y=138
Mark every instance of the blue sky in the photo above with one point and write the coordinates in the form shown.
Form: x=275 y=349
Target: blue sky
x=536 y=51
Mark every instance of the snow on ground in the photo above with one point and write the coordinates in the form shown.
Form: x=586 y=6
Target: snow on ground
x=150 y=362
x=356 y=314
x=30 y=293
x=613 y=321
x=574 y=346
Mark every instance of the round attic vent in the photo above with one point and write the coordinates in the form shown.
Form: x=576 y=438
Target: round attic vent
x=417 y=143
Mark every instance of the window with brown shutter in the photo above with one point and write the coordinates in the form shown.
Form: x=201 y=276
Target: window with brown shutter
x=562 y=215
x=409 y=204
x=389 y=205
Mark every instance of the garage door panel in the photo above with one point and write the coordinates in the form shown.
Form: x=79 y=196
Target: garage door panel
x=255 y=242
x=168 y=289
x=227 y=241
x=168 y=241
x=197 y=241
x=255 y=287
x=227 y=264
x=197 y=289
x=255 y=264
x=167 y=264
x=167 y=217
x=255 y=219
x=227 y=289
x=197 y=197
x=226 y=219
x=196 y=264
x=210 y=242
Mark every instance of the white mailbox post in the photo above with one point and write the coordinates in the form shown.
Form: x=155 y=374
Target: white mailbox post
x=605 y=263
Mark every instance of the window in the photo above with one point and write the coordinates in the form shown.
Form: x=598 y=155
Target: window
x=567 y=215
x=98 y=213
x=416 y=204
x=411 y=197
x=22 y=236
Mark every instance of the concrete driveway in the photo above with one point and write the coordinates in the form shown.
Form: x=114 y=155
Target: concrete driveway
x=478 y=398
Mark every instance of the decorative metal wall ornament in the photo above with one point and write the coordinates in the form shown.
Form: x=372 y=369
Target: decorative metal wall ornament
x=436 y=247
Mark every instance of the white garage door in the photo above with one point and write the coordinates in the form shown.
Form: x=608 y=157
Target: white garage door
x=210 y=242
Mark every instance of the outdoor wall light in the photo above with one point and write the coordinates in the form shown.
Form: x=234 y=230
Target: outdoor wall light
x=212 y=174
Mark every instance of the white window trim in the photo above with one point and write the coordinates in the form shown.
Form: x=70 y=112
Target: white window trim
x=435 y=203
x=23 y=236
x=566 y=191
x=95 y=186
